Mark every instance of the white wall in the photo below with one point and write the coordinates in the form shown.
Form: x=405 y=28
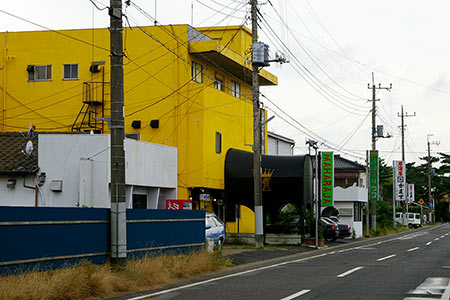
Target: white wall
x=82 y=163
x=17 y=196
x=278 y=147
x=345 y=199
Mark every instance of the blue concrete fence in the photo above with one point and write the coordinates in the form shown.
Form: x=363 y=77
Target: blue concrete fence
x=48 y=237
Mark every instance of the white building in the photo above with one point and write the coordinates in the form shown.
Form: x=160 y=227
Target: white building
x=73 y=170
x=350 y=202
x=279 y=145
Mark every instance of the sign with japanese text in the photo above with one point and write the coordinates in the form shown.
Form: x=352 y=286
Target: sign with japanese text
x=179 y=204
x=410 y=192
x=327 y=178
x=400 y=180
x=373 y=175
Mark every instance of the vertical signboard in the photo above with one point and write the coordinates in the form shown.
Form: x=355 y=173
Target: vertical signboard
x=411 y=193
x=400 y=180
x=327 y=178
x=373 y=176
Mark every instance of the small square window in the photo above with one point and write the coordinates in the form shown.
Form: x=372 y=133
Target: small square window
x=70 y=71
x=39 y=73
x=218 y=84
x=218 y=142
x=197 y=72
x=235 y=89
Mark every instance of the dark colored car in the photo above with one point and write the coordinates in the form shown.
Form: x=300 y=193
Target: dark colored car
x=330 y=230
x=344 y=229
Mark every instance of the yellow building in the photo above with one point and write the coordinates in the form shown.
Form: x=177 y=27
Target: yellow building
x=184 y=87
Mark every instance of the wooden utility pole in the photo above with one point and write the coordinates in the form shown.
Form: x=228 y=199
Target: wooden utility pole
x=118 y=201
x=257 y=185
x=374 y=138
x=430 y=198
x=403 y=115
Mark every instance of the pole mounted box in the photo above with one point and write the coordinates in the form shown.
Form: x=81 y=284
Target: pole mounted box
x=260 y=54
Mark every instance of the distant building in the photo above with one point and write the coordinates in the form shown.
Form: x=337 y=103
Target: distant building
x=279 y=145
x=350 y=193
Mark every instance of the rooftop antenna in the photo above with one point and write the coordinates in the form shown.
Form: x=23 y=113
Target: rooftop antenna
x=28 y=149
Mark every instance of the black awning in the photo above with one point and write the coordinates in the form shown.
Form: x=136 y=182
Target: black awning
x=290 y=181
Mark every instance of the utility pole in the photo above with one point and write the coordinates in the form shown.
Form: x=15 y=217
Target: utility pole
x=316 y=199
x=402 y=115
x=429 y=175
x=118 y=201
x=374 y=137
x=257 y=185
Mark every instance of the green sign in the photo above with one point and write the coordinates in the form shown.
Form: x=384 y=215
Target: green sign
x=373 y=176
x=327 y=178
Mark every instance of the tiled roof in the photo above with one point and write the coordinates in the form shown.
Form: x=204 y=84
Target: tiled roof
x=341 y=163
x=12 y=159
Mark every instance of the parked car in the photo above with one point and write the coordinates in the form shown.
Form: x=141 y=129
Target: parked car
x=214 y=229
x=330 y=230
x=411 y=219
x=344 y=229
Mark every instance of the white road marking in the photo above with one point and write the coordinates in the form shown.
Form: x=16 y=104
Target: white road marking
x=442 y=236
x=386 y=257
x=293 y=296
x=429 y=243
x=412 y=249
x=349 y=272
x=249 y=271
x=223 y=277
x=445 y=267
x=436 y=239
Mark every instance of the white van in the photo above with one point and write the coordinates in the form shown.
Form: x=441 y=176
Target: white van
x=411 y=219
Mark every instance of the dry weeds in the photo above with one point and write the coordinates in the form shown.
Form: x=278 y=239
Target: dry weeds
x=86 y=280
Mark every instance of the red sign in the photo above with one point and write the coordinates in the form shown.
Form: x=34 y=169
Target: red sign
x=179 y=204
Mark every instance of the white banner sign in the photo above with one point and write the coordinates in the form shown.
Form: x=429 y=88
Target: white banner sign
x=400 y=180
x=410 y=192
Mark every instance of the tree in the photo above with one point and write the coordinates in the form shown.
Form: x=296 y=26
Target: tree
x=385 y=180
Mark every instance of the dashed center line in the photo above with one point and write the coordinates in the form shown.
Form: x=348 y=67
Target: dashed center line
x=386 y=257
x=349 y=272
x=436 y=239
x=429 y=243
x=293 y=296
x=412 y=249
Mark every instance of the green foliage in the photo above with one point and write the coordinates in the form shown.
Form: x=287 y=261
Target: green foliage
x=384 y=215
x=442 y=212
x=286 y=222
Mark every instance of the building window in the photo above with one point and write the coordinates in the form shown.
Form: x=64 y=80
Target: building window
x=235 y=89
x=218 y=84
x=139 y=201
x=357 y=208
x=196 y=72
x=70 y=72
x=218 y=142
x=39 y=73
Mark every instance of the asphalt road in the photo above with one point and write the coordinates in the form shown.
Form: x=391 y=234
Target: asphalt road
x=408 y=266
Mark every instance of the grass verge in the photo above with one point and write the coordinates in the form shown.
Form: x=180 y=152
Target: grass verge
x=86 y=280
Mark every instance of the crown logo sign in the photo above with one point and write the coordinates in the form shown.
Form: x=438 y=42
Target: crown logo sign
x=266 y=175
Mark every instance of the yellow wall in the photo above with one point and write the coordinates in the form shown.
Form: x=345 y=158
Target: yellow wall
x=157 y=85
x=246 y=223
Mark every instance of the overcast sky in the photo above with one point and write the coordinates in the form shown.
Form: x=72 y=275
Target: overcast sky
x=333 y=47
